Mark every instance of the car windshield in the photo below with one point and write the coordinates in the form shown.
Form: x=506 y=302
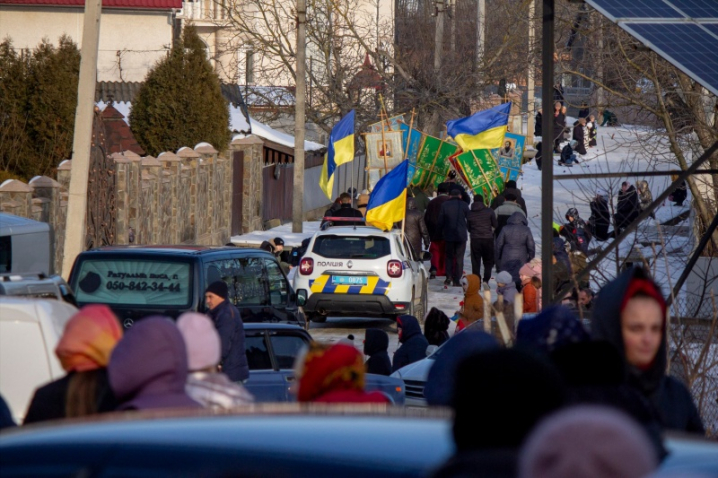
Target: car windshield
x=351 y=247
x=133 y=282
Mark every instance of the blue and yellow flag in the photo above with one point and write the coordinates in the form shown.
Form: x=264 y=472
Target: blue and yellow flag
x=340 y=151
x=482 y=130
x=387 y=203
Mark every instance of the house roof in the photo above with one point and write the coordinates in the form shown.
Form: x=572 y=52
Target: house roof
x=144 y=4
x=118 y=136
x=367 y=77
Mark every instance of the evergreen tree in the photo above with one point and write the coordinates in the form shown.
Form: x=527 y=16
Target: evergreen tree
x=181 y=102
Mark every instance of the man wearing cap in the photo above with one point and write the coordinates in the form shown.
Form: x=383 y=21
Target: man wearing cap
x=281 y=255
x=205 y=383
x=229 y=325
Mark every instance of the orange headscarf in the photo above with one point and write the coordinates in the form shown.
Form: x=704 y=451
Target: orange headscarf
x=88 y=340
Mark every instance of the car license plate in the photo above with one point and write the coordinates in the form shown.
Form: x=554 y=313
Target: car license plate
x=349 y=280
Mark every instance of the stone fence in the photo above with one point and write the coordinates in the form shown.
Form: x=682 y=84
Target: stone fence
x=175 y=198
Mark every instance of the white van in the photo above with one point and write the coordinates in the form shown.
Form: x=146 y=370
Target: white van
x=29 y=332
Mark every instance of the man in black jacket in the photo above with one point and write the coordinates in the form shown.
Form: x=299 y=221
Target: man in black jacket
x=345 y=210
x=230 y=327
x=452 y=184
x=436 y=235
x=415 y=228
x=452 y=221
x=510 y=189
x=481 y=222
x=413 y=343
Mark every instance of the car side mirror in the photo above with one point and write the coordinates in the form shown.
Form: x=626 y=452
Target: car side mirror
x=426 y=256
x=431 y=349
x=301 y=297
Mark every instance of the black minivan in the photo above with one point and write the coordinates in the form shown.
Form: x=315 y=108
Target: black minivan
x=137 y=281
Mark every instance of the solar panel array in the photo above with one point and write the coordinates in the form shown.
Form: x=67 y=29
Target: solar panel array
x=684 y=32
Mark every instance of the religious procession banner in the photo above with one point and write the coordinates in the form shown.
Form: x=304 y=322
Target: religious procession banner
x=391 y=124
x=410 y=141
x=510 y=156
x=481 y=172
x=432 y=163
x=384 y=150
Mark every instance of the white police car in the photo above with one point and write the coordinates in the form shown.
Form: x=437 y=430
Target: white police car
x=361 y=271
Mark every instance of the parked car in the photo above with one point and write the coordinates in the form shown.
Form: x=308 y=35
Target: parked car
x=265 y=441
x=24 y=245
x=137 y=281
x=361 y=271
x=271 y=352
x=36 y=286
x=29 y=332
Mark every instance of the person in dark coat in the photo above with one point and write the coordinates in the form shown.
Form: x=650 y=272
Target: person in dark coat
x=584 y=111
x=680 y=194
x=413 y=343
x=452 y=220
x=515 y=246
x=450 y=184
x=630 y=313
x=489 y=428
x=600 y=218
x=505 y=211
x=436 y=327
x=539 y=155
x=559 y=124
x=509 y=189
x=558 y=93
x=420 y=198
x=84 y=351
x=568 y=158
x=148 y=368
x=481 y=221
x=579 y=134
x=627 y=207
x=538 y=123
x=298 y=252
x=436 y=234
x=575 y=231
x=376 y=347
x=228 y=321
x=415 y=228
x=345 y=210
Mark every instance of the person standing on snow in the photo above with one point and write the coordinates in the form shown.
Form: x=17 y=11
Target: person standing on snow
x=509 y=189
x=415 y=227
x=559 y=124
x=581 y=136
x=515 y=246
x=228 y=321
x=413 y=343
x=505 y=211
x=436 y=234
x=481 y=221
x=592 y=128
x=600 y=218
x=627 y=208
x=645 y=198
x=576 y=232
x=452 y=220
x=376 y=347
x=630 y=313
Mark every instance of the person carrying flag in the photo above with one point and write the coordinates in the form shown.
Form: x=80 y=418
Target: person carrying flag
x=339 y=151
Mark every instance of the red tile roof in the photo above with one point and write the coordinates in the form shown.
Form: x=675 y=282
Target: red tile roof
x=118 y=136
x=144 y=4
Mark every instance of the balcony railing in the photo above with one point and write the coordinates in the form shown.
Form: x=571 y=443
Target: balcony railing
x=205 y=9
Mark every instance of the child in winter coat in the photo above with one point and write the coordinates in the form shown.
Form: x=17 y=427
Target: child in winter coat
x=506 y=286
x=376 y=346
x=529 y=290
x=436 y=327
x=473 y=305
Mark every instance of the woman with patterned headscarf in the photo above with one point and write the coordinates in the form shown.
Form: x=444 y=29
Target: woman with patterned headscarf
x=84 y=352
x=333 y=374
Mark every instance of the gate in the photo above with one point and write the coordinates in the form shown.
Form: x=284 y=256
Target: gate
x=237 y=190
x=278 y=188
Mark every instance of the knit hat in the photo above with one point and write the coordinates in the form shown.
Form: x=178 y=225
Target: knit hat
x=326 y=369
x=89 y=338
x=504 y=277
x=202 y=340
x=573 y=143
x=588 y=441
x=527 y=271
x=218 y=288
x=278 y=241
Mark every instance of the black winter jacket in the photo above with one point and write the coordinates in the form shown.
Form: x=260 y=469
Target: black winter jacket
x=48 y=402
x=515 y=245
x=627 y=207
x=413 y=343
x=452 y=220
x=580 y=137
x=376 y=346
x=671 y=399
x=500 y=199
x=481 y=221
x=566 y=153
x=415 y=228
x=228 y=322
x=559 y=124
x=345 y=210
x=431 y=217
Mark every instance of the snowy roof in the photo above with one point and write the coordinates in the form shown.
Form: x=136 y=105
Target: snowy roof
x=239 y=123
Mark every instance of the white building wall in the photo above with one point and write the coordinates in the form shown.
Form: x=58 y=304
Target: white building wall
x=131 y=41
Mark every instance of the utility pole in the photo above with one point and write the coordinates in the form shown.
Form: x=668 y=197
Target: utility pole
x=300 y=98
x=434 y=128
x=480 y=31
x=547 y=151
x=531 y=73
x=76 y=222
x=599 y=68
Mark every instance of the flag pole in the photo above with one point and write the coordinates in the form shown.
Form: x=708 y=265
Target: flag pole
x=382 y=115
x=488 y=183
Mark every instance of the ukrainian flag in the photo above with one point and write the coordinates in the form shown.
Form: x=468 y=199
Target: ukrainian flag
x=387 y=203
x=482 y=130
x=340 y=151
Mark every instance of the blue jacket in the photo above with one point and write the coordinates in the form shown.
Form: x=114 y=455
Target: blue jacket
x=230 y=327
x=413 y=343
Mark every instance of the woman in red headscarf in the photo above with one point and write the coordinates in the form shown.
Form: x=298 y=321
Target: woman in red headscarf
x=84 y=352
